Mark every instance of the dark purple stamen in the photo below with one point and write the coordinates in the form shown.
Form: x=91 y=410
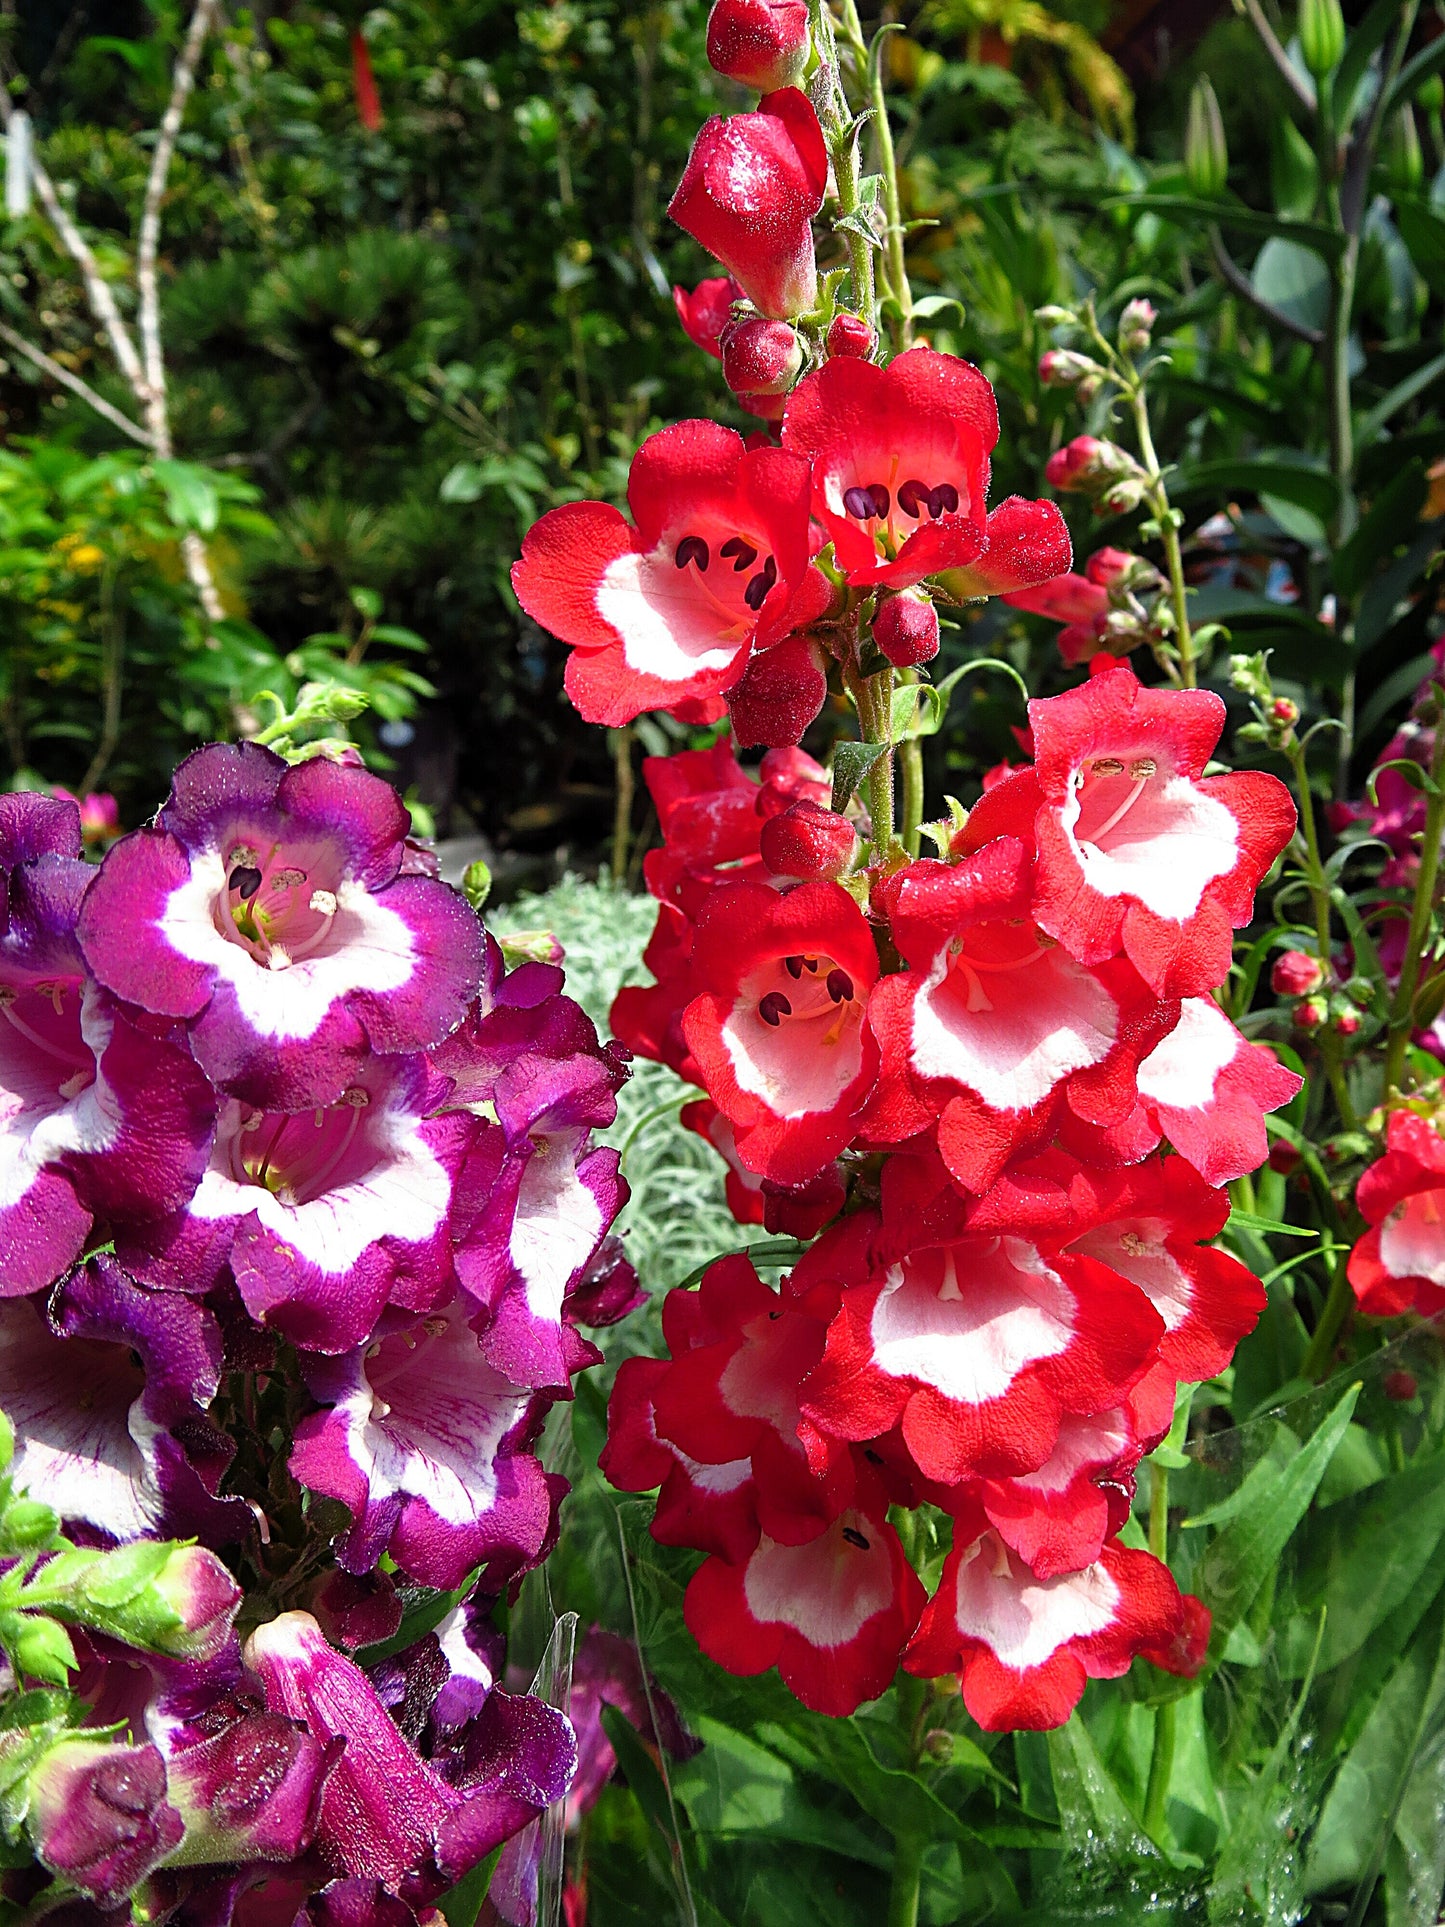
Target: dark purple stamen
x=774 y=1008
x=859 y=503
x=756 y=593
x=840 y=986
x=245 y=881
x=942 y=500
x=880 y=499
x=692 y=548
x=746 y=555
x=794 y=967
x=855 y=1538
x=912 y=498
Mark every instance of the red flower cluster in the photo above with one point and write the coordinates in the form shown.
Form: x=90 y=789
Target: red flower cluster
x=1014 y=1277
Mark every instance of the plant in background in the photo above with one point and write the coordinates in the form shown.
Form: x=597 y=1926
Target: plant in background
x=993 y=1103
x=302 y=1220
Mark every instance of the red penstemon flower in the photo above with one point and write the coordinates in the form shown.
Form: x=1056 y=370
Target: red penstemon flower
x=1399 y=1264
x=666 y=612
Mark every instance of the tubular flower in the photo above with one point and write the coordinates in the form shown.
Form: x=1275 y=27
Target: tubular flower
x=1399 y=1264
x=1207 y=1089
x=706 y=310
x=1137 y=849
x=1024 y=1646
x=752 y=184
x=995 y=1028
x=268 y=910
x=763 y=43
x=778 y=1030
x=979 y=1344
x=833 y=1615
x=667 y=611
x=327 y=1216
x=99 y=1817
x=97 y=1118
x=709 y=1506
x=900 y=473
x=139 y=1457
x=427 y=1446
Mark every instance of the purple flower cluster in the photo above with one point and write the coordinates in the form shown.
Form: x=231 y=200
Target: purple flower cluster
x=299 y=1217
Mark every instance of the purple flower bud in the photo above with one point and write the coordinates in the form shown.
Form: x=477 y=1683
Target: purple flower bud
x=203 y=1596
x=99 y=1816
x=250 y=1789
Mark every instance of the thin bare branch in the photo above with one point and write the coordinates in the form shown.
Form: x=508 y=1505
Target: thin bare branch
x=1234 y=274
x=83 y=389
x=183 y=81
x=97 y=289
x=1288 y=72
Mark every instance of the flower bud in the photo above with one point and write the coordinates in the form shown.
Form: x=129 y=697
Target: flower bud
x=176 y=1600
x=1284 y=712
x=906 y=629
x=41 y=1647
x=1321 y=35
x=849 y=334
x=1206 y=157
x=1063 y=368
x=529 y=946
x=26 y=1525
x=1284 y=1157
x=1122 y=497
x=1401 y=1387
x=938 y=1745
x=1400 y=152
x=808 y=841
x=781 y=693
x=1136 y=326
x=202 y=1597
x=1088 y=464
x=98 y=1815
x=1310 y=1014
x=760 y=357
x=1296 y=974
x=763 y=43
x=1122 y=573
x=1347 y=1021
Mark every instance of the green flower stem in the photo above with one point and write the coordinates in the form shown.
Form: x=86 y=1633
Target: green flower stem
x=1318 y=884
x=1337 y=1306
x=1161 y=1759
x=908 y=1850
x=910 y=763
x=1168 y=533
x=1422 y=911
x=873 y=699
x=895 y=266
x=841 y=135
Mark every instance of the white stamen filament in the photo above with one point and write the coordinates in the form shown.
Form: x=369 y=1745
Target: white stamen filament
x=1123 y=810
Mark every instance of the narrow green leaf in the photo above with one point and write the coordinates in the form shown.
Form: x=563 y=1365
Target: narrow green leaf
x=1229 y=214
x=1393 y=514
x=1291 y=481
x=1401 y=395
x=1094 y=1815
x=851 y=763
x=1236 y=1564
x=637 y=1763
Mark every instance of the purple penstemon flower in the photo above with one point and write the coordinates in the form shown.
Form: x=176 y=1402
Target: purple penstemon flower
x=97 y=1118
x=386 y=1814
x=108 y=1398
x=325 y=1216
x=536 y=1199
x=270 y=908
x=429 y=1447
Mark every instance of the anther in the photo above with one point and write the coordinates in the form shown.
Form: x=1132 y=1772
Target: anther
x=855 y=1538
x=840 y=986
x=245 y=881
x=756 y=593
x=942 y=500
x=287 y=879
x=1107 y=766
x=1143 y=769
x=323 y=902
x=912 y=497
x=692 y=548
x=859 y=503
x=794 y=967
x=880 y=500
x=774 y=1008
x=742 y=554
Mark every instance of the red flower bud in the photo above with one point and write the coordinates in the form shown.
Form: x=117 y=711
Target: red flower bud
x=1062 y=368
x=807 y=841
x=760 y=357
x=906 y=630
x=762 y=43
x=707 y=311
x=363 y=85
x=1399 y=1386
x=1088 y=463
x=1108 y=568
x=781 y=693
x=1136 y=325
x=1284 y=712
x=849 y=334
x=751 y=187
x=1284 y=1157
x=1310 y=1014
x=1295 y=974
x=1347 y=1023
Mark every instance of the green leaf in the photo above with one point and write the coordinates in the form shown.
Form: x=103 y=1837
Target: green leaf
x=190 y=491
x=1393 y=514
x=643 y=1778
x=735 y=1786
x=1376 y=613
x=1360 y=49
x=1248 y=1221
x=1293 y=279
x=929 y=305
x=1401 y=395
x=1363 y=1801
x=1416 y=71
x=1094 y=1815
x=1377 y=1545
x=851 y=763
x=1423 y=232
x=463 y=1903
x=1235 y=215
x=1246 y=1552
x=1290 y=480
